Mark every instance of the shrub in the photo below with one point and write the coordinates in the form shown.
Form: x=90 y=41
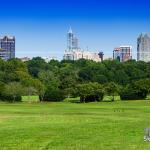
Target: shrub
x=53 y=95
x=89 y=92
x=10 y=98
x=131 y=92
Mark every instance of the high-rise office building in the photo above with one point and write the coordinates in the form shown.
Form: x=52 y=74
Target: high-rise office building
x=7 y=47
x=122 y=53
x=143 y=48
x=72 y=41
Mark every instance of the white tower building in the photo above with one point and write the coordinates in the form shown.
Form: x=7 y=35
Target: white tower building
x=143 y=48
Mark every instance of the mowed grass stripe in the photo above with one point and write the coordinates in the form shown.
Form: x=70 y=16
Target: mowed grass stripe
x=68 y=126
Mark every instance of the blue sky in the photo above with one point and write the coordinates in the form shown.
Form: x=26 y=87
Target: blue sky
x=40 y=26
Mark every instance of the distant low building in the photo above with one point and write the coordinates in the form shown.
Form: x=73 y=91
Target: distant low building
x=79 y=54
x=122 y=53
x=24 y=59
x=48 y=59
x=108 y=58
x=7 y=47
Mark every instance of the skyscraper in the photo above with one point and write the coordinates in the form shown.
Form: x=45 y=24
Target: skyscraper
x=7 y=47
x=72 y=41
x=122 y=53
x=143 y=48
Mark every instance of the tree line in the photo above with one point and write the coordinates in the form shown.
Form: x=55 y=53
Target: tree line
x=89 y=80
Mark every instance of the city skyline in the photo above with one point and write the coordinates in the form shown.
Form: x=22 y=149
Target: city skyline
x=40 y=26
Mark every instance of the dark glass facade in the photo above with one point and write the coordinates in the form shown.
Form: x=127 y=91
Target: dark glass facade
x=7 y=47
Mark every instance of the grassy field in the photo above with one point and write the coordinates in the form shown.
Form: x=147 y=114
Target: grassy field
x=30 y=99
x=70 y=126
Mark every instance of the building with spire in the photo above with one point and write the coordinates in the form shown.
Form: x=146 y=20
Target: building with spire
x=143 y=48
x=73 y=51
x=72 y=41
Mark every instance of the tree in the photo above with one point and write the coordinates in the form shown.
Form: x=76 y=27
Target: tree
x=2 y=86
x=112 y=89
x=129 y=93
x=13 y=91
x=30 y=91
x=41 y=89
x=46 y=77
x=100 y=79
x=97 y=92
x=53 y=94
x=89 y=92
x=68 y=78
x=143 y=85
x=34 y=86
x=83 y=90
x=15 y=64
x=36 y=65
x=136 y=90
x=55 y=80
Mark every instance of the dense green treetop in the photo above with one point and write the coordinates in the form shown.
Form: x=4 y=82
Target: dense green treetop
x=59 y=78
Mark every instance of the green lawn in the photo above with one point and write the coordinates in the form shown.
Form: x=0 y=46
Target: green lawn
x=70 y=126
x=30 y=98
